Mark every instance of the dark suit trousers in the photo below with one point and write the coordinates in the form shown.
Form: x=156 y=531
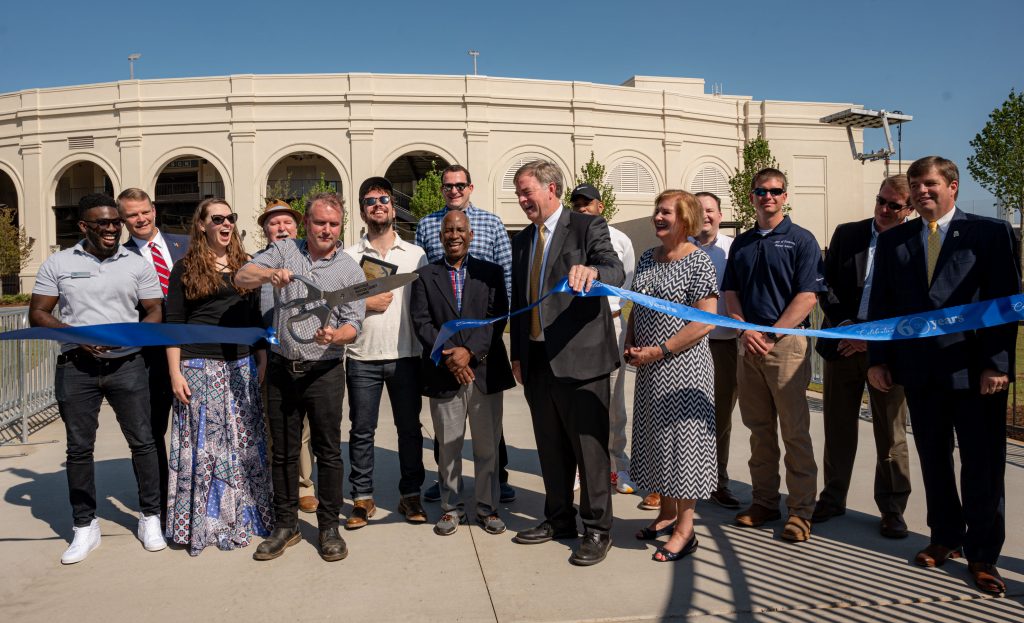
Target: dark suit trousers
x=160 y=400
x=980 y=426
x=570 y=424
x=844 y=381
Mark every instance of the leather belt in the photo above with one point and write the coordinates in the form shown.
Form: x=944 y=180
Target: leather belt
x=82 y=356
x=616 y=314
x=303 y=365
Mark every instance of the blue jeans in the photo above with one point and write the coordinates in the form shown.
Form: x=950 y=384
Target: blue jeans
x=366 y=381
x=82 y=382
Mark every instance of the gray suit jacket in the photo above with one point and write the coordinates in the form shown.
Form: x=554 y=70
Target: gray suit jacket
x=578 y=334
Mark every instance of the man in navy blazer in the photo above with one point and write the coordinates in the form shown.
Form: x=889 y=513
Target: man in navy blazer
x=137 y=211
x=955 y=382
x=472 y=375
x=563 y=352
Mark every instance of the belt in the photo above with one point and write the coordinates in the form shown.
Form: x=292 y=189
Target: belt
x=303 y=365
x=616 y=314
x=80 y=355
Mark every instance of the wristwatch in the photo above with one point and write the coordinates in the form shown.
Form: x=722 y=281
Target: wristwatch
x=665 y=352
x=773 y=337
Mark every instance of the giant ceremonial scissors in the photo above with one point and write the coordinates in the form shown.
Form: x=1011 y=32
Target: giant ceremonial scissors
x=318 y=303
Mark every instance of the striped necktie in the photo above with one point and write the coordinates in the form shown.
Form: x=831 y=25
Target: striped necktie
x=160 y=265
x=934 y=246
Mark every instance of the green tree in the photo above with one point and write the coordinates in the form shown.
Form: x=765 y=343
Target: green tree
x=427 y=197
x=593 y=173
x=282 y=191
x=998 y=160
x=15 y=245
x=756 y=156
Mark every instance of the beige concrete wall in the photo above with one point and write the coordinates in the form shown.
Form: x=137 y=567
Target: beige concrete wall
x=246 y=126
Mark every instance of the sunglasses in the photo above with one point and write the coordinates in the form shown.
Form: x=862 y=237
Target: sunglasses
x=449 y=187
x=372 y=201
x=218 y=219
x=103 y=223
x=774 y=192
x=892 y=205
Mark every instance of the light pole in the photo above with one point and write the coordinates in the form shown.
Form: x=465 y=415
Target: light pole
x=474 y=54
x=131 y=65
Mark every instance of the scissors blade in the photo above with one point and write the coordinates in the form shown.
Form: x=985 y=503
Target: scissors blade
x=370 y=288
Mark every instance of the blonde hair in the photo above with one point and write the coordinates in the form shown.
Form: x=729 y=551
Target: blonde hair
x=687 y=208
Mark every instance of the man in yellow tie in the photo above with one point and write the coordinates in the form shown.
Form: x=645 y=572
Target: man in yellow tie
x=562 y=352
x=955 y=382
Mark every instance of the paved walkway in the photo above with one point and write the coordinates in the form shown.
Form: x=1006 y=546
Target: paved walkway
x=846 y=572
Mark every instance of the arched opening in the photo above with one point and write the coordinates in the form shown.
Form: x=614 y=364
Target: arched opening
x=78 y=180
x=10 y=265
x=404 y=173
x=296 y=174
x=181 y=184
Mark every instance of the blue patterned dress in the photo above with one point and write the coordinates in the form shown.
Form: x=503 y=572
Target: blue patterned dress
x=673 y=449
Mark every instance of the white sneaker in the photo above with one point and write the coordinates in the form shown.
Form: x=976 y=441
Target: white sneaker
x=623 y=484
x=576 y=484
x=150 y=534
x=87 y=538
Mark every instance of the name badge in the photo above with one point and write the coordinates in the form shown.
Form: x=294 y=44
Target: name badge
x=81 y=275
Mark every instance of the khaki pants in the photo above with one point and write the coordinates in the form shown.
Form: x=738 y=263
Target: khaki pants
x=724 y=355
x=617 y=407
x=773 y=397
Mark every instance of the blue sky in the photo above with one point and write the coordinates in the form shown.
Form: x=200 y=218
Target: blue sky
x=946 y=63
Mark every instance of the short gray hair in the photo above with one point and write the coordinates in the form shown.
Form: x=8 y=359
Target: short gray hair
x=545 y=172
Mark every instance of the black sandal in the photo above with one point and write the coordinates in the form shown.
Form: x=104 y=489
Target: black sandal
x=649 y=534
x=668 y=556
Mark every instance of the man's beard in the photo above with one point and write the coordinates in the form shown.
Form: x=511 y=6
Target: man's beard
x=379 y=228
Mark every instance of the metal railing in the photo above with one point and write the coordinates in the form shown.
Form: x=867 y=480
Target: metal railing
x=189 y=189
x=26 y=374
x=296 y=188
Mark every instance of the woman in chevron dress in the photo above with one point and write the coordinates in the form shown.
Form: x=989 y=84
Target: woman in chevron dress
x=674 y=413
x=220 y=490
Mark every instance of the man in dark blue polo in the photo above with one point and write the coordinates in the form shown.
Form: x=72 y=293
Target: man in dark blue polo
x=772 y=278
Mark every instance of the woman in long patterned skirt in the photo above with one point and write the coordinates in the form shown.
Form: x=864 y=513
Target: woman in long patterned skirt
x=220 y=489
x=674 y=410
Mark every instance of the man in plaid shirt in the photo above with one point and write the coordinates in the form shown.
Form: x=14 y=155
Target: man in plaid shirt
x=490 y=242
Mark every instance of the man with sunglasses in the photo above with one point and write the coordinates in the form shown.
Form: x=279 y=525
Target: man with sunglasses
x=849 y=271
x=490 y=243
x=772 y=278
x=162 y=251
x=98 y=281
x=386 y=353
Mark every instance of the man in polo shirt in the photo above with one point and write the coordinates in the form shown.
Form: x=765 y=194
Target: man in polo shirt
x=772 y=278
x=280 y=222
x=99 y=282
x=490 y=243
x=386 y=353
x=587 y=199
x=162 y=251
x=306 y=373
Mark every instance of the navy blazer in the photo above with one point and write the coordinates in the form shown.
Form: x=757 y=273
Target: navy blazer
x=176 y=244
x=432 y=303
x=846 y=263
x=979 y=260
x=578 y=334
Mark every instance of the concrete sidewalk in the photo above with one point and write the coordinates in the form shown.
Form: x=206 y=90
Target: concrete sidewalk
x=396 y=571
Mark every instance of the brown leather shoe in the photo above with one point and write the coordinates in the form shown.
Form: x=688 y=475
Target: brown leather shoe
x=756 y=515
x=796 y=530
x=936 y=555
x=651 y=502
x=308 y=504
x=893 y=526
x=411 y=507
x=362 y=510
x=987 y=578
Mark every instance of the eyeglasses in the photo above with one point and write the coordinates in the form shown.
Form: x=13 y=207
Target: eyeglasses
x=774 y=192
x=104 y=223
x=892 y=205
x=218 y=219
x=449 y=187
x=372 y=201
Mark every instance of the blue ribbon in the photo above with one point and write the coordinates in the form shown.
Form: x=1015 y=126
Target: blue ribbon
x=926 y=324
x=144 y=334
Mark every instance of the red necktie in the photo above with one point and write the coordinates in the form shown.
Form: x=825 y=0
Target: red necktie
x=161 y=266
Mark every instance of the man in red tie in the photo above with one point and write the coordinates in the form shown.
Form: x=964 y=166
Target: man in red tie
x=162 y=251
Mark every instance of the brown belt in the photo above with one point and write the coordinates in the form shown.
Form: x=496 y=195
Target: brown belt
x=616 y=314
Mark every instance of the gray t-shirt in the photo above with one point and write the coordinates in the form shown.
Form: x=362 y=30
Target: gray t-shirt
x=91 y=291
x=332 y=273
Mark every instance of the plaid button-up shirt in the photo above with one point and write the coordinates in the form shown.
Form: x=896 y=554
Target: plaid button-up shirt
x=490 y=240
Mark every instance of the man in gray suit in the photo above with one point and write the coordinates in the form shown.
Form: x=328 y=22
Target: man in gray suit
x=562 y=352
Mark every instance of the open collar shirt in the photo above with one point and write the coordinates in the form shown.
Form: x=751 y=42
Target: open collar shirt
x=490 y=239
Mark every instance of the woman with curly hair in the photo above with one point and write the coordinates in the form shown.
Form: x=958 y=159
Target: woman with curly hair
x=219 y=491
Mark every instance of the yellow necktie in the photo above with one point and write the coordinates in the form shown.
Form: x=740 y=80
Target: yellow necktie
x=934 y=245
x=538 y=259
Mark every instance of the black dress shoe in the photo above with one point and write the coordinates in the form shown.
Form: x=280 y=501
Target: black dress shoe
x=893 y=526
x=823 y=511
x=592 y=550
x=332 y=546
x=275 y=544
x=544 y=533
